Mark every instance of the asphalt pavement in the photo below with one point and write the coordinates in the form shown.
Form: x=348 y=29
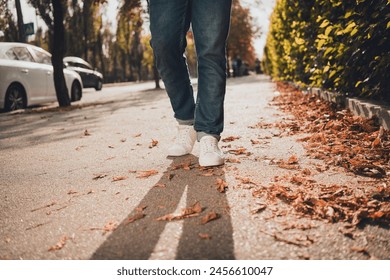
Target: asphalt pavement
x=93 y=182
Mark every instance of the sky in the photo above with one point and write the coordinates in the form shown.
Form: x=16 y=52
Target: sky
x=260 y=10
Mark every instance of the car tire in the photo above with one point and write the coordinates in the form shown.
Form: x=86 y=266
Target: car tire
x=76 y=91
x=99 y=85
x=15 y=98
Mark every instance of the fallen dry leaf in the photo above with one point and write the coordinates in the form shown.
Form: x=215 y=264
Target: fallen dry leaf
x=147 y=173
x=293 y=160
x=238 y=151
x=153 y=143
x=209 y=217
x=59 y=245
x=119 y=178
x=137 y=135
x=86 y=133
x=259 y=209
x=204 y=236
x=231 y=138
x=233 y=160
x=99 y=176
x=135 y=217
x=110 y=226
x=221 y=185
x=160 y=185
x=189 y=212
x=255 y=142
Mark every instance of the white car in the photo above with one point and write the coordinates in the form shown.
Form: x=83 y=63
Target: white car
x=26 y=77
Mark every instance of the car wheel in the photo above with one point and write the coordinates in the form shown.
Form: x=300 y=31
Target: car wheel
x=15 y=98
x=99 y=85
x=76 y=91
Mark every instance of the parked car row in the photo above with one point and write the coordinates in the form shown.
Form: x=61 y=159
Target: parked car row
x=26 y=76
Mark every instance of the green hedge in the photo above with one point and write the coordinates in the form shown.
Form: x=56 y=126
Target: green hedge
x=337 y=45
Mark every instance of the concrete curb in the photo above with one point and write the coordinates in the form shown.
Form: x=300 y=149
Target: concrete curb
x=359 y=107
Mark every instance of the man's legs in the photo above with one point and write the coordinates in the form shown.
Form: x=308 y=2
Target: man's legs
x=210 y=24
x=169 y=23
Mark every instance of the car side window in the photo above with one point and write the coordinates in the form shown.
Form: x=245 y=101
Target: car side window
x=43 y=57
x=84 y=66
x=11 y=54
x=23 y=54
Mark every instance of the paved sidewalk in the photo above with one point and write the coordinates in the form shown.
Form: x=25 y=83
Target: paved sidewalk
x=94 y=183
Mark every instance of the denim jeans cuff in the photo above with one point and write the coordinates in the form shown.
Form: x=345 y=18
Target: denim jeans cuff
x=185 y=122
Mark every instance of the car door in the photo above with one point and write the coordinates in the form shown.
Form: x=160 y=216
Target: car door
x=44 y=59
x=31 y=74
x=87 y=75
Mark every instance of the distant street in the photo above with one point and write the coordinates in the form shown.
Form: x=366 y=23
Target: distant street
x=94 y=182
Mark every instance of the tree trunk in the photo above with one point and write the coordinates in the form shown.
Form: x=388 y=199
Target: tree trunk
x=22 y=36
x=58 y=54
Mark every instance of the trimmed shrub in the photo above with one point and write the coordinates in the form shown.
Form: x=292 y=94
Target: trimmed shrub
x=337 y=45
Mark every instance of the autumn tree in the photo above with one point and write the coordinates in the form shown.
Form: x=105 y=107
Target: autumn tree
x=242 y=33
x=58 y=51
x=21 y=33
x=52 y=12
x=7 y=24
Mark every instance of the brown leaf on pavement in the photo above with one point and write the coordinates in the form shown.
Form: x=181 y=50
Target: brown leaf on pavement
x=221 y=185
x=194 y=209
x=369 y=170
x=137 y=135
x=246 y=181
x=293 y=160
x=110 y=226
x=231 y=138
x=135 y=217
x=209 y=217
x=119 y=178
x=160 y=185
x=233 y=160
x=59 y=245
x=204 y=236
x=153 y=144
x=99 y=176
x=185 y=166
x=86 y=133
x=259 y=209
x=168 y=217
x=189 y=212
x=238 y=151
x=147 y=173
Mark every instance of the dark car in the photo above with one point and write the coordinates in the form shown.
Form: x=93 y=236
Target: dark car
x=91 y=78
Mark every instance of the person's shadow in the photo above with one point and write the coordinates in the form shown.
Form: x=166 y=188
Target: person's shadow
x=213 y=240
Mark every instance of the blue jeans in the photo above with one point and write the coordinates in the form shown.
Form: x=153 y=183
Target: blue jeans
x=210 y=19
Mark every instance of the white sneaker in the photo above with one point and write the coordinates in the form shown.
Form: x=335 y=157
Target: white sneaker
x=184 y=142
x=210 y=154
